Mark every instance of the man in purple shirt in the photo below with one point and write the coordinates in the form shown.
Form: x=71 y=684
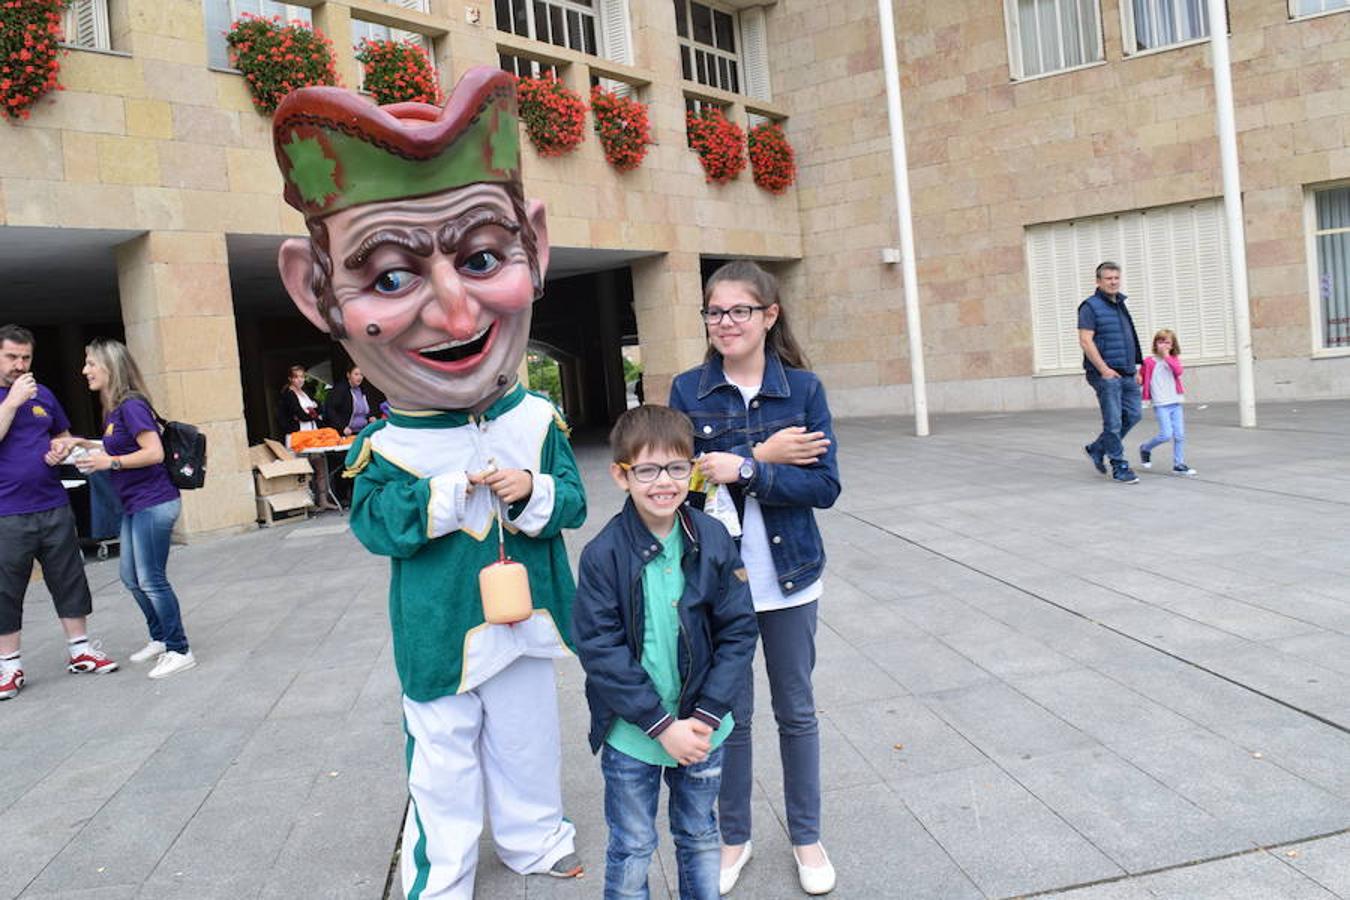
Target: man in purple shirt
x=35 y=517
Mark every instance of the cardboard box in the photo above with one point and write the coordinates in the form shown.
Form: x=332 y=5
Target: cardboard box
x=271 y=459
x=279 y=477
x=274 y=505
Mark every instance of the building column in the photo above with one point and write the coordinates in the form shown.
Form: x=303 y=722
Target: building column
x=179 y=315
x=667 y=295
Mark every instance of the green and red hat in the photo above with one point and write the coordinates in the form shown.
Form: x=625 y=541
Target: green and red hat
x=337 y=149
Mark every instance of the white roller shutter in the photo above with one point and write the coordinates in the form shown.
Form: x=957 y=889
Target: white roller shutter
x=1175 y=272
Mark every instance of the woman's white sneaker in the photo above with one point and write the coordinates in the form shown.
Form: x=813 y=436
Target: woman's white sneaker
x=173 y=662
x=815 y=879
x=152 y=650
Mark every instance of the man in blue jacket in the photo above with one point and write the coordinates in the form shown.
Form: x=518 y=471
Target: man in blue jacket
x=1111 y=359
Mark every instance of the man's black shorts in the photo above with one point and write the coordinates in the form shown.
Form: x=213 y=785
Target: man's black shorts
x=49 y=537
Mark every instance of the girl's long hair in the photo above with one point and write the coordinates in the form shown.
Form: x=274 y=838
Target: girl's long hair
x=1170 y=335
x=764 y=288
x=124 y=376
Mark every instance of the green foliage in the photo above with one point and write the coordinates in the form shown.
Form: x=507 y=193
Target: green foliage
x=545 y=376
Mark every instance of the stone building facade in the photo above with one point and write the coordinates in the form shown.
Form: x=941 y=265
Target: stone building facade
x=149 y=183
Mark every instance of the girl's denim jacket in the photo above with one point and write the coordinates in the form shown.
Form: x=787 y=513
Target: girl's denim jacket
x=786 y=493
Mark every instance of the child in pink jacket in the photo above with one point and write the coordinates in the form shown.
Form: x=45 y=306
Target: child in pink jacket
x=1162 y=385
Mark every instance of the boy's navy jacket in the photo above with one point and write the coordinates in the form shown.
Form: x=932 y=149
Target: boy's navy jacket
x=786 y=493
x=718 y=629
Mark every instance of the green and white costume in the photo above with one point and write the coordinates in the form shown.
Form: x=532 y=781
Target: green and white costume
x=469 y=685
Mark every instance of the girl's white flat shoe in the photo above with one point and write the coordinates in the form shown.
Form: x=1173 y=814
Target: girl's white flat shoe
x=815 y=879
x=728 y=877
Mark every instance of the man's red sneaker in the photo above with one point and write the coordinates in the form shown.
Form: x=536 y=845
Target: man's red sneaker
x=11 y=683
x=92 y=660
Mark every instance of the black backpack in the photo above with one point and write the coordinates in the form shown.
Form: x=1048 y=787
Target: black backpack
x=184 y=454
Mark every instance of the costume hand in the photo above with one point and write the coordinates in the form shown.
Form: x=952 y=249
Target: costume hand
x=719 y=467
x=509 y=485
x=688 y=740
x=793 y=446
x=346 y=431
x=23 y=390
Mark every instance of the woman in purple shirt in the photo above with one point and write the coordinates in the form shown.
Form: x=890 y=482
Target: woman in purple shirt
x=133 y=454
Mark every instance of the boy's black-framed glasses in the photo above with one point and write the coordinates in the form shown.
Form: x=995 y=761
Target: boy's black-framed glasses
x=677 y=469
x=740 y=314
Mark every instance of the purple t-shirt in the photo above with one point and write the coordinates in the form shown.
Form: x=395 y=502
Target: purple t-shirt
x=144 y=487
x=27 y=484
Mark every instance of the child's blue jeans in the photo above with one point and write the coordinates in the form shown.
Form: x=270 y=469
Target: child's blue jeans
x=1171 y=427
x=632 y=788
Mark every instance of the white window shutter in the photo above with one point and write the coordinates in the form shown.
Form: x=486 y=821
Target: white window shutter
x=615 y=32
x=86 y=24
x=755 y=53
x=616 y=42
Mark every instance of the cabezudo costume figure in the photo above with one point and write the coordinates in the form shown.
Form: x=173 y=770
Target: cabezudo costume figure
x=424 y=260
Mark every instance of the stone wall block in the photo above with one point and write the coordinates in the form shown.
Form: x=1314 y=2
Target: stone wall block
x=79 y=111
x=27 y=152
x=128 y=160
x=100 y=73
x=199 y=166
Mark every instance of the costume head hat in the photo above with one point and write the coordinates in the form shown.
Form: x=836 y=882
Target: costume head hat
x=337 y=149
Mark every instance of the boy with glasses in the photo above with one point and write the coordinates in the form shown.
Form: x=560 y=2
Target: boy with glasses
x=665 y=629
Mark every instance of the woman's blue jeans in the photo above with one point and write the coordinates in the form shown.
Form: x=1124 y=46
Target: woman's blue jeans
x=632 y=788
x=788 y=637
x=144 y=557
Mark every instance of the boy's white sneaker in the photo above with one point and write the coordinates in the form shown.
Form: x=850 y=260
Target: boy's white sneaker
x=152 y=650
x=173 y=662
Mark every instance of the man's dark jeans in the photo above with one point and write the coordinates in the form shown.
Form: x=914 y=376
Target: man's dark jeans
x=1122 y=407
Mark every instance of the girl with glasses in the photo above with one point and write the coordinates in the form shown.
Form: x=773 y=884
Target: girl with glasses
x=762 y=429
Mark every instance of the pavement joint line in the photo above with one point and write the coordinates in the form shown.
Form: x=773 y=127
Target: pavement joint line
x=1263 y=848
x=1116 y=631
x=392 y=877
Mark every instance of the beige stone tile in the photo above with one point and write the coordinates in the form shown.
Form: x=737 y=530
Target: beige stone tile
x=81 y=111
x=29 y=152
x=198 y=166
x=149 y=119
x=205 y=125
x=127 y=160
x=101 y=73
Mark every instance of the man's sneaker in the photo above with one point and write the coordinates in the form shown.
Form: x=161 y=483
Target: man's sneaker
x=92 y=660
x=11 y=682
x=567 y=867
x=1098 y=458
x=152 y=650
x=1183 y=469
x=173 y=662
x=1145 y=458
x=1123 y=474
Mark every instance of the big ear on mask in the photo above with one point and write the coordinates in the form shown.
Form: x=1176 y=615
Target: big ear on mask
x=296 y=262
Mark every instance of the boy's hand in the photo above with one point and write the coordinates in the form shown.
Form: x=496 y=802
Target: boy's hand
x=509 y=485
x=688 y=740
x=793 y=446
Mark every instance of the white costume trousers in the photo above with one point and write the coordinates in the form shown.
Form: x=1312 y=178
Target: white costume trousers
x=499 y=741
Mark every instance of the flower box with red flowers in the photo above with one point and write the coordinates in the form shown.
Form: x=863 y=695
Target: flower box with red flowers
x=277 y=58
x=622 y=126
x=554 y=115
x=720 y=144
x=30 y=38
x=398 y=72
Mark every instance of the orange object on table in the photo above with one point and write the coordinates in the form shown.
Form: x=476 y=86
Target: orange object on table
x=319 y=437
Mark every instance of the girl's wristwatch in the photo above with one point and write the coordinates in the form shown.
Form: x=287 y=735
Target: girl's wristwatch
x=115 y=464
x=747 y=469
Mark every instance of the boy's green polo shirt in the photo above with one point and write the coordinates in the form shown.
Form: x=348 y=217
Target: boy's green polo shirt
x=662 y=586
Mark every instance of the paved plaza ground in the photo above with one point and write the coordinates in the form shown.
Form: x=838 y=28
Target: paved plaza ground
x=1031 y=681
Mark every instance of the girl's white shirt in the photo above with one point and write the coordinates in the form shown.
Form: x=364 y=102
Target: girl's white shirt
x=1162 y=387
x=758 y=556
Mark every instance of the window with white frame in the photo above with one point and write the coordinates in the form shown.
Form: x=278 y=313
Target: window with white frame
x=1151 y=24
x=1174 y=268
x=1313 y=7
x=363 y=31
x=1052 y=35
x=709 y=38
x=85 y=24
x=221 y=14
x=1331 y=235
x=564 y=23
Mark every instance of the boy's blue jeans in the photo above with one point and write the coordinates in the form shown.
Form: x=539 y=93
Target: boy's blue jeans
x=632 y=788
x=1122 y=407
x=1171 y=427
x=144 y=556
